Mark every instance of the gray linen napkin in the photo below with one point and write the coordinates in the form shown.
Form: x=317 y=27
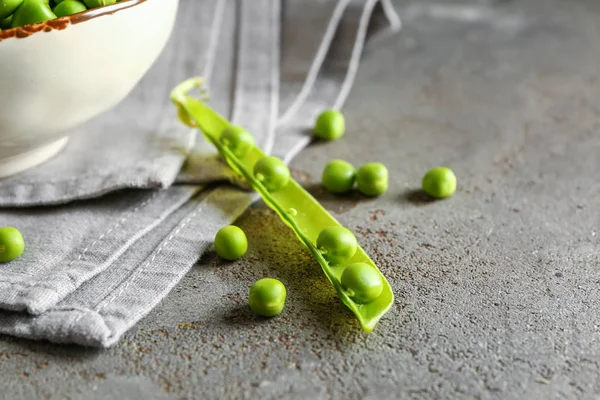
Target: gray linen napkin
x=93 y=269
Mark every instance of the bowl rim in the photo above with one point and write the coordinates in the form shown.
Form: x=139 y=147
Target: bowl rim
x=62 y=23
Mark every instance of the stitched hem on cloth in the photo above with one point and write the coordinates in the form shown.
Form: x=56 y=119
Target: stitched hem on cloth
x=55 y=284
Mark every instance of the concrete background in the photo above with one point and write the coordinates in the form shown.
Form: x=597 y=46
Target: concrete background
x=497 y=288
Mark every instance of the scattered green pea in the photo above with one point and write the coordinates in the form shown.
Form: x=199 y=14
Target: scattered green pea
x=330 y=125
x=32 y=12
x=337 y=244
x=231 y=243
x=69 y=7
x=237 y=139
x=338 y=176
x=272 y=173
x=11 y=244
x=372 y=179
x=361 y=282
x=439 y=182
x=267 y=297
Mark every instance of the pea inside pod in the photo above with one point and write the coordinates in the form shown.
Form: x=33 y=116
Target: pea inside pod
x=337 y=244
x=272 y=173
x=362 y=282
x=237 y=139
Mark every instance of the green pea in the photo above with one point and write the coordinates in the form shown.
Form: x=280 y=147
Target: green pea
x=267 y=297
x=372 y=179
x=231 y=243
x=98 y=3
x=439 y=182
x=11 y=244
x=8 y=7
x=337 y=244
x=237 y=139
x=330 y=125
x=338 y=176
x=272 y=173
x=69 y=7
x=32 y=12
x=361 y=282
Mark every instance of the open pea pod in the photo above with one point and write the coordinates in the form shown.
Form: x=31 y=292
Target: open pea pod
x=294 y=205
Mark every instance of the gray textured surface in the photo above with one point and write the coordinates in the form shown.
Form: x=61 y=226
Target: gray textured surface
x=497 y=288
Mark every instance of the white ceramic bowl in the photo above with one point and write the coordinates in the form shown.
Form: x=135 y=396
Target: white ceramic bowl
x=60 y=74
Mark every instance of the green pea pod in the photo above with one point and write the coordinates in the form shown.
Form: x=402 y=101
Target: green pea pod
x=294 y=205
x=8 y=7
x=32 y=12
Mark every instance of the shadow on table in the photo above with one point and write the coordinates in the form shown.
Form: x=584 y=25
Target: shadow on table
x=312 y=304
x=340 y=203
x=337 y=203
x=416 y=197
x=12 y=345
